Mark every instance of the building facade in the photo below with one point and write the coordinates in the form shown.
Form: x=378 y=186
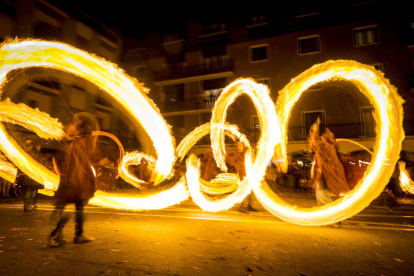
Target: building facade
x=186 y=69
x=58 y=93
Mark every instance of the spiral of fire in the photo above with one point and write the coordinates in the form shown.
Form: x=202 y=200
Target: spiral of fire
x=17 y=54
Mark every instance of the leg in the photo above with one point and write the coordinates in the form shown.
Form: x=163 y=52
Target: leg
x=27 y=193
x=80 y=219
x=63 y=217
x=323 y=194
x=8 y=185
x=33 y=198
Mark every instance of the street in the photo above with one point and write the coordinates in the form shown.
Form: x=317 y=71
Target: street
x=184 y=240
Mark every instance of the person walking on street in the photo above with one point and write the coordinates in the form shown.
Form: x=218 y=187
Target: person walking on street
x=77 y=180
x=28 y=186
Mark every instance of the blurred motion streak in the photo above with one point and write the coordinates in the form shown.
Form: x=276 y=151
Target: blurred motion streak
x=273 y=120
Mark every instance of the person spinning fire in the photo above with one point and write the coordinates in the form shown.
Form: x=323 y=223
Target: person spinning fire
x=327 y=171
x=77 y=177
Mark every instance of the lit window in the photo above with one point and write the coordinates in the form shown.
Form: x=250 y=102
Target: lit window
x=78 y=98
x=259 y=53
x=309 y=45
x=366 y=36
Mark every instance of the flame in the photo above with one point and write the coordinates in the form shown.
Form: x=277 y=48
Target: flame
x=270 y=136
x=39 y=122
x=388 y=115
x=407 y=185
x=133 y=158
x=18 y=54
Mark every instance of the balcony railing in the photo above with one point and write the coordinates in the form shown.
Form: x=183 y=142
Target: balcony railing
x=188 y=104
x=348 y=131
x=176 y=72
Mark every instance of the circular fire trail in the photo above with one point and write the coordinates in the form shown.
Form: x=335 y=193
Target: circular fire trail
x=388 y=116
x=273 y=119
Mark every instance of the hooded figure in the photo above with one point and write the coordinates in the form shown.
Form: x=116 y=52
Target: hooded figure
x=329 y=172
x=77 y=181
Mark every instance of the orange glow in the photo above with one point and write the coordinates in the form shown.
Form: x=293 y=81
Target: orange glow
x=388 y=116
x=273 y=119
x=407 y=185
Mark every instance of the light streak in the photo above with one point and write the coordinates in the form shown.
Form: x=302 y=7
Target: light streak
x=388 y=116
x=40 y=123
x=407 y=185
x=130 y=94
x=19 y=54
x=223 y=184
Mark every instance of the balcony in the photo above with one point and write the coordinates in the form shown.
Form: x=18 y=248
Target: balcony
x=178 y=72
x=346 y=131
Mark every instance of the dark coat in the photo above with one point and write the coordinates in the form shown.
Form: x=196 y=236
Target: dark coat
x=77 y=181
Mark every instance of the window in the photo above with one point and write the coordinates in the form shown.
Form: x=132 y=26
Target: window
x=78 y=98
x=368 y=122
x=265 y=81
x=366 y=36
x=104 y=120
x=140 y=72
x=103 y=102
x=34 y=99
x=108 y=47
x=309 y=45
x=211 y=91
x=33 y=104
x=259 y=53
x=82 y=42
x=311 y=117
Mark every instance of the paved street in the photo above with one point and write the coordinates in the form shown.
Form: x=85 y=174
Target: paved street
x=183 y=240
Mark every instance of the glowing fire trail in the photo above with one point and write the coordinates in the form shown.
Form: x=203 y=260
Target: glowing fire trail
x=388 y=106
x=407 y=185
x=223 y=183
x=39 y=122
x=125 y=90
x=130 y=94
x=270 y=136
